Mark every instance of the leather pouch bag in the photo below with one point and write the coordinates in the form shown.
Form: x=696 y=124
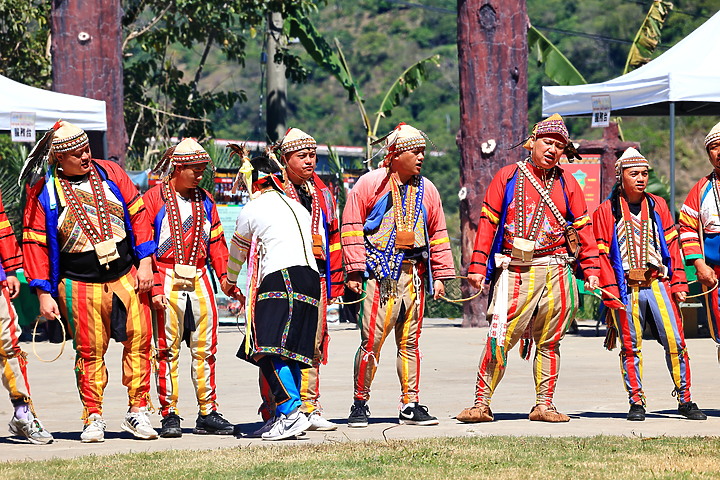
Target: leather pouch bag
x=523 y=249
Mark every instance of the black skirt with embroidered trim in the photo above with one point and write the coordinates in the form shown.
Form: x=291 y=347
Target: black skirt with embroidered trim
x=286 y=316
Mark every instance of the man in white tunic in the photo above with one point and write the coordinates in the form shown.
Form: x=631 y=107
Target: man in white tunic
x=274 y=233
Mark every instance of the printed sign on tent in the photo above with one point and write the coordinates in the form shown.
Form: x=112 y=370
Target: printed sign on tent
x=600 y=111
x=22 y=126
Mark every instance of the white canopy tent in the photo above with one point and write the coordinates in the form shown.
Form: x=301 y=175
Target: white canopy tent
x=48 y=107
x=685 y=80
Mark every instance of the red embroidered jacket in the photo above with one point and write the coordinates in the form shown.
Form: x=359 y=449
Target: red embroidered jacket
x=612 y=277
x=215 y=249
x=10 y=253
x=698 y=215
x=40 y=224
x=499 y=207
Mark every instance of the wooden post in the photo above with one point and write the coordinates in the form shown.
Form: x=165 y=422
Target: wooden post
x=492 y=59
x=276 y=82
x=87 y=60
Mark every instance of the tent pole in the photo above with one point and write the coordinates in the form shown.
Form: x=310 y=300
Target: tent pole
x=672 y=159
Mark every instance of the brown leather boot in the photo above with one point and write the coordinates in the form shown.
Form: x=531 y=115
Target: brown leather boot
x=544 y=413
x=481 y=413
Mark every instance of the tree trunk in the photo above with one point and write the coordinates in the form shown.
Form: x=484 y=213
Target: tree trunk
x=87 y=61
x=276 y=81
x=492 y=58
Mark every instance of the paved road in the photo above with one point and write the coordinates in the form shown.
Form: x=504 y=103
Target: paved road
x=590 y=390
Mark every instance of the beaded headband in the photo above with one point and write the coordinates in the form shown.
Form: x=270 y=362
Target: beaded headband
x=713 y=136
x=629 y=159
x=68 y=137
x=295 y=139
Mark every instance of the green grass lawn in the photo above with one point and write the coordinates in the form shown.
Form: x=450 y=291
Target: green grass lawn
x=505 y=458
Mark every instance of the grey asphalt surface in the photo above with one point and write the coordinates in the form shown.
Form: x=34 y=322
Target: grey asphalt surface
x=590 y=390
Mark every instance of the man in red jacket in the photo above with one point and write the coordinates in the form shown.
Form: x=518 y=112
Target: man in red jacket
x=90 y=244
x=13 y=361
x=641 y=269
x=533 y=216
x=189 y=240
x=299 y=155
x=700 y=230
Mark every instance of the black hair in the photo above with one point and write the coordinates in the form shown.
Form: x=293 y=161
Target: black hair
x=263 y=164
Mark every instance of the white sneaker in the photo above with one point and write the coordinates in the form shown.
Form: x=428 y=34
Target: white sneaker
x=31 y=429
x=138 y=423
x=94 y=430
x=318 y=423
x=287 y=426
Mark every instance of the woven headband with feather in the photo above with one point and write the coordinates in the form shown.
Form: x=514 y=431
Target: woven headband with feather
x=570 y=151
x=38 y=157
x=270 y=152
x=164 y=166
x=384 y=148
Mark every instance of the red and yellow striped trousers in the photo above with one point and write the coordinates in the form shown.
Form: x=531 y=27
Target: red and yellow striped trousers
x=199 y=307
x=90 y=311
x=13 y=361
x=403 y=314
x=543 y=298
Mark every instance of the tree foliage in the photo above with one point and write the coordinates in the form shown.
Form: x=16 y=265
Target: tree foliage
x=24 y=41
x=164 y=95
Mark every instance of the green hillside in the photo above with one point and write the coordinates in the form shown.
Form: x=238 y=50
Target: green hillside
x=382 y=38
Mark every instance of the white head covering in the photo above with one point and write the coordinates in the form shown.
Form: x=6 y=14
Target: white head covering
x=630 y=158
x=68 y=137
x=295 y=139
x=189 y=152
x=402 y=139
x=713 y=135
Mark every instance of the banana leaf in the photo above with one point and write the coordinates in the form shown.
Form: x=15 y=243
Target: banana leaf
x=648 y=36
x=411 y=78
x=319 y=50
x=556 y=65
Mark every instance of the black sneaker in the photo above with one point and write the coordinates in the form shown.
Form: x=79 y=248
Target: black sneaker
x=212 y=424
x=359 y=414
x=636 y=413
x=416 y=414
x=171 y=426
x=691 y=411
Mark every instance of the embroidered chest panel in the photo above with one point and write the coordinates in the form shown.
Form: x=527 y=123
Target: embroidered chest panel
x=381 y=236
x=550 y=231
x=165 y=240
x=70 y=234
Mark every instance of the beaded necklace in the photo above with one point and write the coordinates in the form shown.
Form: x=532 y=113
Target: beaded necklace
x=538 y=214
x=175 y=223
x=638 y=263
x=716 y=191
x=103 y=242
x=404 y=212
